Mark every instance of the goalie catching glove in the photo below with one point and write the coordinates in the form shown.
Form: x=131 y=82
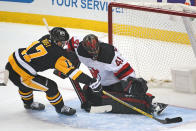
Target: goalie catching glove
x=135 y=86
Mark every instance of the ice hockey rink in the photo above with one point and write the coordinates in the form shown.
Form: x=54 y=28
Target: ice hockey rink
x=13 y=117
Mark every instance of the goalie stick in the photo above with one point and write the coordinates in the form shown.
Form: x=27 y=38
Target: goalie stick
x=78 y=90
x=80 y=94
x=166 y=121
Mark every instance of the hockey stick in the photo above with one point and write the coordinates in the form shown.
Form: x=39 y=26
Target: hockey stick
x=78 y=90
x=80 y=94
x=46 y=24
x=5 y=77
x=166 y=121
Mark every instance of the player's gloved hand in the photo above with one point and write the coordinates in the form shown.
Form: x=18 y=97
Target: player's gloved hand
x=95 y=86
x=136 y=86
x=60 y=74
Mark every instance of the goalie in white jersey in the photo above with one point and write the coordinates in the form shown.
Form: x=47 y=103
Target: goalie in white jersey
x=105 y=63
x=115 y=74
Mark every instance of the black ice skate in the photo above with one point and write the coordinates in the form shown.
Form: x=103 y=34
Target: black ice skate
x=65 y=110
x=158 y=108
x=35 y=106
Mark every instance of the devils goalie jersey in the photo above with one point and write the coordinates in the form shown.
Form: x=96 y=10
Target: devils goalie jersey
x=110 y=67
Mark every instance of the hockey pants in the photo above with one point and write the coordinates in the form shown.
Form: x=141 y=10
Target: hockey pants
x=37 y=83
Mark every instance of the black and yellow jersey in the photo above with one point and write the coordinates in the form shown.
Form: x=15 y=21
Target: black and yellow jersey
x=42 y=55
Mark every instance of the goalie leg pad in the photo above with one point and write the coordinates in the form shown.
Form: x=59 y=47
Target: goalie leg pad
x=94 y=99
x=143 y=102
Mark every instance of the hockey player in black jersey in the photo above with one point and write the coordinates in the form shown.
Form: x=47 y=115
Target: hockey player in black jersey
x=46 y=53
x=115 y=74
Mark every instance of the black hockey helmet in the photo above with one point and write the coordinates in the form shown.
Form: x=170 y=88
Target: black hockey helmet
x=59 y=34
x=91 y=45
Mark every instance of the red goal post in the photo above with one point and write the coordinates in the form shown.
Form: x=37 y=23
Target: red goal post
x=143 y=8
x=154 y=37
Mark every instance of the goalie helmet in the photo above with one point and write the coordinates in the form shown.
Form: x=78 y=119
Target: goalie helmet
x=59 y=34
x=91 y=45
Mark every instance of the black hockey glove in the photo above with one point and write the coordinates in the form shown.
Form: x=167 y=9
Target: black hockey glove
x=60 y=74
x=95 y=86
x=136 y=86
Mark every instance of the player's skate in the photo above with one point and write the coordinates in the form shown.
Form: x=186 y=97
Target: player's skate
x=65 y=110
x=35 y=106
x=158 y=108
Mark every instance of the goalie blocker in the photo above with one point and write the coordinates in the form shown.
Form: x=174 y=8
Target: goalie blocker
x=88 y=98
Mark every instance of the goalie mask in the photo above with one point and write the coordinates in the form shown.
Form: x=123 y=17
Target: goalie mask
x=91 y=45
x=59 y=36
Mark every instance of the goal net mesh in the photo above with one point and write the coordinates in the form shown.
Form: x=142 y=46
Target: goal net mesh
x=153 y=38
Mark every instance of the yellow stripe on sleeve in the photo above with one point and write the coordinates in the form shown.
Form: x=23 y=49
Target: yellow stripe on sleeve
x=63 y=65
x=77 y=74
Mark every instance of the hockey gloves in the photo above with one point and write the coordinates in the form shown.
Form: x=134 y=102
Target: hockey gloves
x=60 y=74
x=135 y=86
x=95 y=86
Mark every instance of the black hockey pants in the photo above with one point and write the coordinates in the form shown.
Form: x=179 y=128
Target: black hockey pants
x=38 y=83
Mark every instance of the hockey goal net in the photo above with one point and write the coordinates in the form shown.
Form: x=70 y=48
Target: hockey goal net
x=153 y=37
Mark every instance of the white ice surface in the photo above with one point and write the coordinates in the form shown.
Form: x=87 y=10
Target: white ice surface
x=13 y=117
